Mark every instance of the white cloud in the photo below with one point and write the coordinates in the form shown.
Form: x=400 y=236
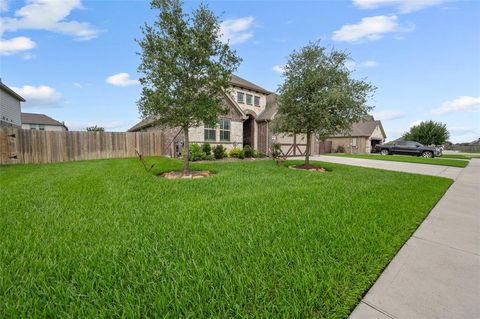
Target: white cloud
x=28 y=56
x=278 y=68
x=49 y=15
x=461 y=103
x=369 y=28
x=3 y=5
x=236 y=31
x=121 y=79
x=77 y=85
x=352 y=65
x=38 y=95
x=415 y=123
x=15 y=45
x=388 y=115
x=461 y=130
x=404 y=6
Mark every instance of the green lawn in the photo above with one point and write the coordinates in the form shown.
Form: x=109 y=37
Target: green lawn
x=407 y=159
x=104 y=239
x=461 y=156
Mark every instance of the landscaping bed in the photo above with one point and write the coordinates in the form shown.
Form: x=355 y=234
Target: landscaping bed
x=108 y=239
x=407 y=159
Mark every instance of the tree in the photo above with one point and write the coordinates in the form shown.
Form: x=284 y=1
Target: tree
x=319 y=96
x=95 y=129
x=428 y=133
x=185 y=67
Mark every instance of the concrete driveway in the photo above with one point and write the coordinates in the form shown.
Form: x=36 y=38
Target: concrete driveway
x=425 y=169
x=436 y=274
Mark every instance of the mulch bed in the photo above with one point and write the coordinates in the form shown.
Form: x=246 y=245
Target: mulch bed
x=189 y=175
x=308 y=168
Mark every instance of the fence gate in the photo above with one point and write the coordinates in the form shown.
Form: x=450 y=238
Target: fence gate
x=295 y=149
x=324 y=147
x=8 y=142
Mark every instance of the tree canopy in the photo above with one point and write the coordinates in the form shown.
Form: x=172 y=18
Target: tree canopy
x=95 y=128
x=428 y=133
x=185 y=68
x=318 y=95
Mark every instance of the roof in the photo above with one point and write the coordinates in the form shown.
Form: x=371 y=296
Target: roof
x=365 y=127
x=35 y=118
x=271 y=109
x=150 y=121
x=11 y=92
x=238 y=81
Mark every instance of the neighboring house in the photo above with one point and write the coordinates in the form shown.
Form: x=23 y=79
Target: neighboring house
x=34 y=121
x=9 y=107
x=361 y=138
x=251 y=110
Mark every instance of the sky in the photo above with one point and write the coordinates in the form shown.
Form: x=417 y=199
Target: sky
x=77 y=61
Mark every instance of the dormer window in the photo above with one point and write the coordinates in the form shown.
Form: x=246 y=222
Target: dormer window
x=256 y=101
x=240 y=97
x=249 y=99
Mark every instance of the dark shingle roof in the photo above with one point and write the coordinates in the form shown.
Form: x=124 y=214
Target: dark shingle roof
x=35 y=118
x=270 y=109
x=11 y=92
x=238 y=81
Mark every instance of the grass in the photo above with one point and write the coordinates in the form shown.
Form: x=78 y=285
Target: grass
x=107 y=239
x=407 y=159
x=461 y=156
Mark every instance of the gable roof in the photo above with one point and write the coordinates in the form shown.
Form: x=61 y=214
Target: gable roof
x=270 y=110
x=11 y=92
x=35 y=118
x=365 y=128
x=240 y=82
x=150 y=121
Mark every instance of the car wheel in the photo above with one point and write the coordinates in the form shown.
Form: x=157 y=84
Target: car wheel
x=384 y=152
x=427 y=154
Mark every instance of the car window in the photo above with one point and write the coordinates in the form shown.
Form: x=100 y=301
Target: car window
x=412 y=144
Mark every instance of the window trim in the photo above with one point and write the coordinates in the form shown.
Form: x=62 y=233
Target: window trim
x=223 y=130
x=243 y=97
x=255 y=99
x=206 y=131
x=251 y=99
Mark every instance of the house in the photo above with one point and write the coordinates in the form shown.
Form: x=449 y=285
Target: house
x=10 y=108
x=361 y=138
x=251 y=109
x=42 y=122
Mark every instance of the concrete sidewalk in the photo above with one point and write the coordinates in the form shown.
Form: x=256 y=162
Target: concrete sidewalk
x=436 y=274
x=425 y=169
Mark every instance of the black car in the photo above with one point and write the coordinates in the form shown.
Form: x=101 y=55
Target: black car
x=407 y=148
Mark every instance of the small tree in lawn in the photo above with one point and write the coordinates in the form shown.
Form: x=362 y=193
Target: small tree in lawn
x=319 y=96
x=428 y=133
x=185 y=68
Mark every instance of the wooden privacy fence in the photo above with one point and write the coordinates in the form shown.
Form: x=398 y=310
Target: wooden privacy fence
x=32 y=146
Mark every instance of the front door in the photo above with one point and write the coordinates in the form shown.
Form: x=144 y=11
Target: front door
x=248 y=131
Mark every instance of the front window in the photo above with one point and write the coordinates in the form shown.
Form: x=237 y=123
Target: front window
x=224 y=130
x=41 y=127
x=249 y=99
x=354 y=142
x=257 y=101
x=210 y=133
x=240 y=97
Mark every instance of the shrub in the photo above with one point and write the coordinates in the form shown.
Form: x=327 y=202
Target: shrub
x=248 y=151
x=219 y=152
x=260 y=154
x=196 y=153
x=276 y=150
x=236 y=152
x=207 y=149
x=340 y=149
x=210 y=157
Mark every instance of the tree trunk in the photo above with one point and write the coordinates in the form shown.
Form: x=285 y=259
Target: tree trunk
x=186 y=156
x=307 y=150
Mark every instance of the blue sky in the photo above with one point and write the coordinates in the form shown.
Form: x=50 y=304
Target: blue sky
x=76 y=60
